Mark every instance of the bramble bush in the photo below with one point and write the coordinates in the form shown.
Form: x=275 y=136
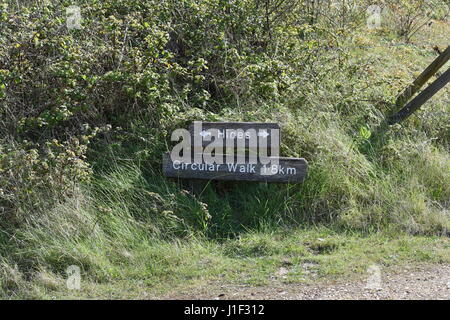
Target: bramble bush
x=145 y=68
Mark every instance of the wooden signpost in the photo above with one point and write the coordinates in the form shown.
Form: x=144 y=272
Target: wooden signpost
x=246 y=152
x=288 y=170
x=225 y=129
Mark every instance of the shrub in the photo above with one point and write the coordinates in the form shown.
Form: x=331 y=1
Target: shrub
x=32 y=180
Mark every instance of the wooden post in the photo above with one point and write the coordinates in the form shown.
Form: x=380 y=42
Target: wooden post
x=423 y=78
x=288 y=170
x=241 y=153
x=423 y=97
x=196 y=187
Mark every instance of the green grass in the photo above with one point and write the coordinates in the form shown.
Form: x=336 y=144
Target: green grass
x=134 y=235
x=158 y=268
x=370 y=197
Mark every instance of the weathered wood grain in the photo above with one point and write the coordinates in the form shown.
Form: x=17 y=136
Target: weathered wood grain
x=289 y=170
x=259 y=127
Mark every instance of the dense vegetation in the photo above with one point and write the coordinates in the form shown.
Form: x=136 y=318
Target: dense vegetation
x=86 y=114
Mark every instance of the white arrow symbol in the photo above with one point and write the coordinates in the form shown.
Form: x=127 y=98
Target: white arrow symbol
x=205 y=133
x=263 y=134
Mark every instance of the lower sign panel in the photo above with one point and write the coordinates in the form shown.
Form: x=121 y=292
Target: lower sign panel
x=282 y=170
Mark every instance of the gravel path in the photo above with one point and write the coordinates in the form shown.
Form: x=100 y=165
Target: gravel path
x=406 y=283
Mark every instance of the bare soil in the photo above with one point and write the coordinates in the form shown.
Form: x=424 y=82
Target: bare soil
x=405 y=283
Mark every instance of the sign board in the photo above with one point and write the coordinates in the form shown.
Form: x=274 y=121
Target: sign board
x=239 y=151
x=288 y=170
x=245 y=131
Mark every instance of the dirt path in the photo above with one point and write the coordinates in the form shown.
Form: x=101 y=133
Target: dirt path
x=426 y=282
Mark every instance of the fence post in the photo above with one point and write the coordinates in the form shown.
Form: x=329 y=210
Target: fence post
x=423 y=78
x=423 y=97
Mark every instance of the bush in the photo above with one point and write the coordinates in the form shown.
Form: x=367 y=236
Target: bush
x=33 y=180
x=409 y=17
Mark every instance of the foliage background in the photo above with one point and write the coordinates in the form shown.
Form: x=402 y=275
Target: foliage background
x=86 y=114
